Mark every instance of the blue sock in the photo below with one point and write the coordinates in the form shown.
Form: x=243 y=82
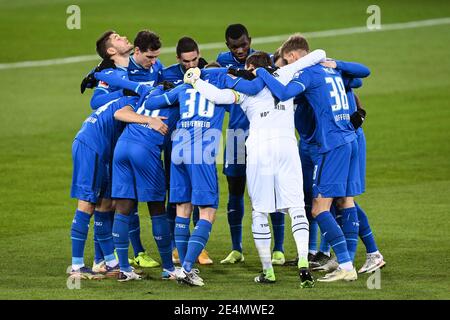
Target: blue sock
x=350 y=227
x=197 y=243
x=182 y=235
x=171 y=215
x=98 y=253
x=121 y=240
x=78 y=233
x=333 y=234
x=161 y=233
x=278 y=230
x=365 y=232
x=313 y=232
x=324 y=245
x=135 y=233
x=336 y=214
x=235 y=215
x=103 y=231
x=195 y=215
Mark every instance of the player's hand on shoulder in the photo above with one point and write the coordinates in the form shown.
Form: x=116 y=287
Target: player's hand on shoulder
x=191 y=76
x=242 y=73
x=156 y=123
x=167 y=85
x=329 y=64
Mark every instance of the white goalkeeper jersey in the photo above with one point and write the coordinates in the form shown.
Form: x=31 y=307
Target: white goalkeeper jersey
x=268 y=117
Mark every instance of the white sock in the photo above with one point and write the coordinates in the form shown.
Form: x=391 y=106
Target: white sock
x=112 y=263
x=348 y=266
x=76 y=267
x=262 y=237
x=313 y=252
x=300 y=231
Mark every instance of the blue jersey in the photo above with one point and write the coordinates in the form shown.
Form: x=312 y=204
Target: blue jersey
x=324 y=90
x=237 y=119
x=201 y=118
x=100 y=130
x=174 y=74
x=143 y=133
x=151 y=76
x=226 y=60
x=304 y=120
x=103 y=92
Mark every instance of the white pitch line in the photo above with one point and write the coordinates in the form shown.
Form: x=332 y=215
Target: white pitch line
x=260 y=40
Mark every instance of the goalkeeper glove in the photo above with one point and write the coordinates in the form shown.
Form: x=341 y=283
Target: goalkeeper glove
x=191 y=76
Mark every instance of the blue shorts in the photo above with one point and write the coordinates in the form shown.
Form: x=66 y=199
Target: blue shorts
x=362 y=158
x=336 y=172
x=307 y=169
x=195 y=183
x=234 y=156
x=91 y=177
x=138 y=172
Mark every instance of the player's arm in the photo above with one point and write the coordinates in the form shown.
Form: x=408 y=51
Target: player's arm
x=115 y=81
x=354 y=83
x=101 y=97
x=349 y=69
x=214 y=94
x=167 y=99
x=211 y=71
x=283 y=92
x=248 y=87
x=127 y=114
x=309 y=60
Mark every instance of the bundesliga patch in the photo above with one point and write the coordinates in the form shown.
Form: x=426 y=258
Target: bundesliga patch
x=103 y=84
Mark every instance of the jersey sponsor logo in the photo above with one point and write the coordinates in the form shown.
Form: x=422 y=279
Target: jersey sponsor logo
x=264 y=114
x=177 y=82
x=134 y=71
x=280 y=106
x=103 y=84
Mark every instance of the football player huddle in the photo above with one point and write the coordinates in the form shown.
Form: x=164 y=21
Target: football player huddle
x=154 y=136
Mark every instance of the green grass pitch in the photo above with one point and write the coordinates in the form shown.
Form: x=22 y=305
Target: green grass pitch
x=407 y=129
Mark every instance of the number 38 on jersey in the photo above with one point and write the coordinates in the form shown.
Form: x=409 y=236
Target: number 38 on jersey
x=337 y=92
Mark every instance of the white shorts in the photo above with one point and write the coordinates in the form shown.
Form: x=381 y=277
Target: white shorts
x=274 y=175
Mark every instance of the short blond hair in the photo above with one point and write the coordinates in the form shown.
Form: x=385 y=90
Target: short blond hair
x=294 y=42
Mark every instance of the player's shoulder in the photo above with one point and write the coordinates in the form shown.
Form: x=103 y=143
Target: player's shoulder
x=225 y=59
x=171 y=70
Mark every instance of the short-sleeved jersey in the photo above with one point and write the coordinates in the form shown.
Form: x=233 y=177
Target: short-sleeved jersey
x=100 y=130
x=269 y=118
x=200 y=119
x=151 y=76
x=324 y=89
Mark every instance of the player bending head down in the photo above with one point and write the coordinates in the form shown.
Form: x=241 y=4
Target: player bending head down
x=147 y=48
x=238 y=41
